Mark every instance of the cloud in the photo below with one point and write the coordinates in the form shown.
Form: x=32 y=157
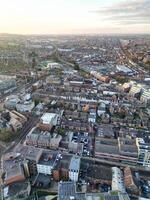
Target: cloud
x=127 y=12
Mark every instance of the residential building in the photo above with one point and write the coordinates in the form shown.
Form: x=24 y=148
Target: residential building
x=146 y=162
x=143 y=152
x=145 y=97
x=117 y=180
x=74 y=168
x=46 y=163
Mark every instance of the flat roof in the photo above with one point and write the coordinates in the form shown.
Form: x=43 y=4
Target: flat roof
x=75 y=163
x=67 y=190
x=29 y=152
x=47 y=117
x=13 y=169
x=47 y=158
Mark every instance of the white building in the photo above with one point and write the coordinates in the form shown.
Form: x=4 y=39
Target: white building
x=53 y=65
x=74 y=168
x=145 y=97
x=46 y=163
x=49 y=118
x=117 y=180
x=143 y=152
x=146 y=162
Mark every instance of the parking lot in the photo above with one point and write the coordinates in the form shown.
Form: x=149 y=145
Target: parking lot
x=85 y=139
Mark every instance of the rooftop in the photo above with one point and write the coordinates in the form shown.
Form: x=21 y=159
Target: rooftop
x=47 y=158
x=75 y=163
x=48 y=117
x=29 y=152
x=67 y=191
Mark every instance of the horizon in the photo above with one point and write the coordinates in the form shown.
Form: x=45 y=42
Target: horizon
x=76 y=34
x=73 y=17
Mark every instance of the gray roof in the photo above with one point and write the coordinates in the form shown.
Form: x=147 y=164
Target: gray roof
x=67 y=191
x=47 y=158
x=75 y=163
x=13 y=169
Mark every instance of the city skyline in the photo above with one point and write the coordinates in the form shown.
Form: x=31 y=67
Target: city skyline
x=75 y=17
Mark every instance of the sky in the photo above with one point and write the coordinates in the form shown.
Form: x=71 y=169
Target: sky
x=74 y=16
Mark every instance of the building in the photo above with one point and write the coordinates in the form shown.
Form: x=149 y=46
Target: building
x=11 y=101
x=145 y=97
x=18 y=191
x=43 y=139
x=76 y=148
x=92 y=116
x=17 y=120
x=53 y=65
x=143 y=152
x=74 y=168
x=100 y=77
x=135 y=91
x=31 y=155
x=14 y=173
x=20 y=117
x=130 y=181
x=106 y=147
x=25 y=106
x=67 y=191
x=146 y=161
x=46 y=163
x=48 y=120
x=64 y=167
x=128 y=147
x=117 y=180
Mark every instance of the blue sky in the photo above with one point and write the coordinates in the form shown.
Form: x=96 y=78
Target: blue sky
x=74 y=16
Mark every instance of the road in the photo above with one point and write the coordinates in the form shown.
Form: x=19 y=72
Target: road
x=22 y=133
x=21 y=136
